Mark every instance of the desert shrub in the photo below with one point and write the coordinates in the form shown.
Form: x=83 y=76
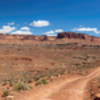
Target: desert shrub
x=12 y=82
x=36 y=78
x=20 y=85
x=4 y=82
x=6 y=93
x=43 y=81
x=39 y=76
x=26 y=80
x=29 y=80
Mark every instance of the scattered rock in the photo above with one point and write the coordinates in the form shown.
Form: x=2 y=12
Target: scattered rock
x=98 y=95
x=10 y=98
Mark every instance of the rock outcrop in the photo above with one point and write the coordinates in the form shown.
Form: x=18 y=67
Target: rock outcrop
x=6 y=38
x=73 y=35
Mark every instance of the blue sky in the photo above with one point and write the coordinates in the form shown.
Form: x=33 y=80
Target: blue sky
x=49 y=16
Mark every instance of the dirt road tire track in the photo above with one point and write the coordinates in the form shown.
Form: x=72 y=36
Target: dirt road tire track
x=64 y=89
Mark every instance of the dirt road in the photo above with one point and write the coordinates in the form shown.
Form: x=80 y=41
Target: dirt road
x=67 y=88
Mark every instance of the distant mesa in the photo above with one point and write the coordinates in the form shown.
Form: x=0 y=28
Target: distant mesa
x=33 y=38
x=73 y=35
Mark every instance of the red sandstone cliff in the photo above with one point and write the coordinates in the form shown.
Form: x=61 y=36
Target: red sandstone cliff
x=6 y=38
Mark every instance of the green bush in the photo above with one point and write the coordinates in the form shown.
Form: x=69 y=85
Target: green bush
x=20 y=85
x=5 y=93
x=43 y=81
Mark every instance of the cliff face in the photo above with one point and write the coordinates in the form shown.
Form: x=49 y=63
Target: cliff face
x=23 y=37
x=5 y=38
x=73 y=35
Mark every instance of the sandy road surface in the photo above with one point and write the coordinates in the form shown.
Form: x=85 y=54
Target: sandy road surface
x=71 y=88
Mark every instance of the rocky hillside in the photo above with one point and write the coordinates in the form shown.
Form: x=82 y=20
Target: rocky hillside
x=13 y=39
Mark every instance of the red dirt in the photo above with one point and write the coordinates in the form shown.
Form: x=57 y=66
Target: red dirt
x=72 y=88
x=31 y=56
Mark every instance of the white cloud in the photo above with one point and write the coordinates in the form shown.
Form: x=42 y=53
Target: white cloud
x=40 y=23
x=50 y=32
x=23 y=31
x=25 y=28
x=53 y=32
x=59 y=30
x=7 y=29
x=11 y=23
x=86 y=29
x=19 y=32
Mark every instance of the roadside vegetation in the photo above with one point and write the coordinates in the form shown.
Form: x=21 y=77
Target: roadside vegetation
x=6 y=93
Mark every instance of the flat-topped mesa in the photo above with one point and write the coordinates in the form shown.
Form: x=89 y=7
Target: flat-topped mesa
x=7 y=38
x=73 y=35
